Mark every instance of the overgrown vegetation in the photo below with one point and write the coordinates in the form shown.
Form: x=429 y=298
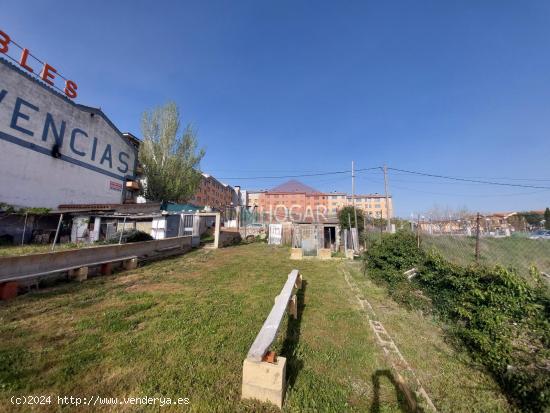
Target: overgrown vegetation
x=492 y=311
x=346 y=216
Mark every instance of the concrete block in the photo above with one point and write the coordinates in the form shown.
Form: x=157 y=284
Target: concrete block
x=130 y=264
x=296 y=254
x=79 y=274
x=324 y=253
x=107 y=268
x=8 y=290
x=293 y=306
x=298 y=283
x=264 y=381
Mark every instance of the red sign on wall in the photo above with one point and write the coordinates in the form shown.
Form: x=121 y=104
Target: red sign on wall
x=48 y=73
x=115 y=186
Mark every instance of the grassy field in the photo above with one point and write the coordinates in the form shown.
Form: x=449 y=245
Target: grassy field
x=517 y=252
x=182 y=327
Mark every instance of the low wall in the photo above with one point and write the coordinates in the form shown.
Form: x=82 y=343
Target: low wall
x=18 y=266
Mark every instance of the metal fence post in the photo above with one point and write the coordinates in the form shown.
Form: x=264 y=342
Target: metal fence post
x=24 y=228
x=122 y=232
x=57 y=231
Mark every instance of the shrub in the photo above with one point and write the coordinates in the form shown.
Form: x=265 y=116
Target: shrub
x=496 y=315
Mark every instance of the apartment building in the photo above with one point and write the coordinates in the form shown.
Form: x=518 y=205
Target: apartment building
x=213 y=193
x=374 y=205
x=297 y=201
x=253 y=198
x=290 y=201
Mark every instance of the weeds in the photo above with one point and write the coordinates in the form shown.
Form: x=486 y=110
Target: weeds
x=494 y=312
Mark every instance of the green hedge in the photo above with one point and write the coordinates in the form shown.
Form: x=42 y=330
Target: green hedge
x=492 y=311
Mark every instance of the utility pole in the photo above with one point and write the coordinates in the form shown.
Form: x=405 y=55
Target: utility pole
x=477 y=237
x=388 y=221
x=353 y=193
x=349 y=232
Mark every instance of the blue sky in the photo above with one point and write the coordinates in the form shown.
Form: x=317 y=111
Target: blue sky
x=458 y=88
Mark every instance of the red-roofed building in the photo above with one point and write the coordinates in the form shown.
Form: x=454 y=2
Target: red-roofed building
x=299 y=202
x=294 y=200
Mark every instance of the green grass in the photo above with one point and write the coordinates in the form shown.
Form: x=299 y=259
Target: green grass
x=182 y=327
x=9 y=250
x=516 y=252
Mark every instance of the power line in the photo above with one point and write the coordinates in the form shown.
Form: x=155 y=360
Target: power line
x=35 y=58
x=454 y=178
x=471 y=195
x=299 y=176
x=35 y=76
x=501 y=177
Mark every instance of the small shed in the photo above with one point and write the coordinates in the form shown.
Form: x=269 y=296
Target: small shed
x=311 y=236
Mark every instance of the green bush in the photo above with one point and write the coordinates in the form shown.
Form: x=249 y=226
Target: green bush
x=386 y=260
x=501 y=320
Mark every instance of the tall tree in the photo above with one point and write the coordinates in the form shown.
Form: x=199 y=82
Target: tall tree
x=346 y=215
x=547 y=218
x=170 y=160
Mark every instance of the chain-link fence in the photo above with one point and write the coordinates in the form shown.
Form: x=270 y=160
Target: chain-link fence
x=489 y=240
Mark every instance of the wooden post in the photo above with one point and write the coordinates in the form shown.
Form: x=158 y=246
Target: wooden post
x=477 y=237
x=388 y=218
